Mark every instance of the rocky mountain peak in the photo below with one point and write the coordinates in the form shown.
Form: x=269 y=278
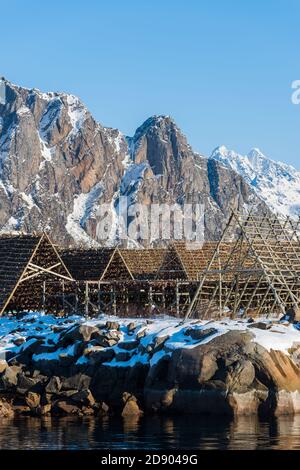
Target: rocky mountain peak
x=58 y=166
x=278 y=184
x=257 y=159
x=161 y=143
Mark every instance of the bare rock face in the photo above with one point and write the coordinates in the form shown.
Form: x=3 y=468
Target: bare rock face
x=131 y=407
x=171 y=172
x=55 y=162
x=58 y=165
x=229 y=375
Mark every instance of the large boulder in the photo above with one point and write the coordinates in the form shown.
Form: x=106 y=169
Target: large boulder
x=3 y=365
x=200 y=334
x=78 y=382
x=84 y=397
x=33 y=400
x=9 y=378
x=131 y=407
x=78 y=333
x=26 y=383
x=54 y=385
x=65 y=407
x=230 y=374
x=128 y=345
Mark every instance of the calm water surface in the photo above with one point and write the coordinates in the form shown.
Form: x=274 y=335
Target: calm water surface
x=149 y=433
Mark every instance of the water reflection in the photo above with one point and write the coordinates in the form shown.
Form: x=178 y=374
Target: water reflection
x=150 y=433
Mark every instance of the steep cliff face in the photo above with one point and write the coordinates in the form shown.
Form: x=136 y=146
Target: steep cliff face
x=173 y=173
x=58 y=165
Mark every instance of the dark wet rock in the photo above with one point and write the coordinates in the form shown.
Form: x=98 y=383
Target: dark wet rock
x=67 y=393
x=200 y=334
x=58 y=328
x=66 y=406
x=159 y=343
x=9 y=378
x=84 y=397
x=21 y=408
x=19 y=329
x=77 y=333
x=109 y=383
x=141 y=334
x=43 y=410
x=54 y=385
x=77 y=382
x=100 y=356
x=33 y=400
x=87 y=411
x=112 y=325
x=43 y=348
x=131 y=407
x=29 y=320
x=291 y=315
x=35 y=373
x=102 y=409
x=46 y=398
x=229 y=374
x=107 y=341
x=25 y=383
x=131 y=327
x=19 y=341
x=24 y=355
x=260 y=325
x=123 y=356
x=128 y=345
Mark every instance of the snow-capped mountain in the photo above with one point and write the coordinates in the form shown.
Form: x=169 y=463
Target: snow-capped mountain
x=58 y=166
x=277 y=183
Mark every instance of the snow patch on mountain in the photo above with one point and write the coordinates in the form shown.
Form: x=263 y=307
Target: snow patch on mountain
x=46 y=152
x=277 y=183
x=77 y=113
x=83 y=204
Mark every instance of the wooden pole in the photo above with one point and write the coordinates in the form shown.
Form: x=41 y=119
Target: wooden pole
x=44 y=296
x=114 y=299
x=63 y=295
x=177 y=299
x=86 y=299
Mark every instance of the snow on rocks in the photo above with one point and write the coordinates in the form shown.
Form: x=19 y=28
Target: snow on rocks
x=82 y=366
x=142 y=338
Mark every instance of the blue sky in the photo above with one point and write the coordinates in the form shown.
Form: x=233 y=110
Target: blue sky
x=222 y=69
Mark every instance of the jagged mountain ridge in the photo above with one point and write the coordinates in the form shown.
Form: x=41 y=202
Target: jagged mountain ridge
x=58 y=165
x=276 y=183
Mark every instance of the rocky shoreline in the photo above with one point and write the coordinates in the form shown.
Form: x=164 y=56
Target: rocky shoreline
x=133 y=367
